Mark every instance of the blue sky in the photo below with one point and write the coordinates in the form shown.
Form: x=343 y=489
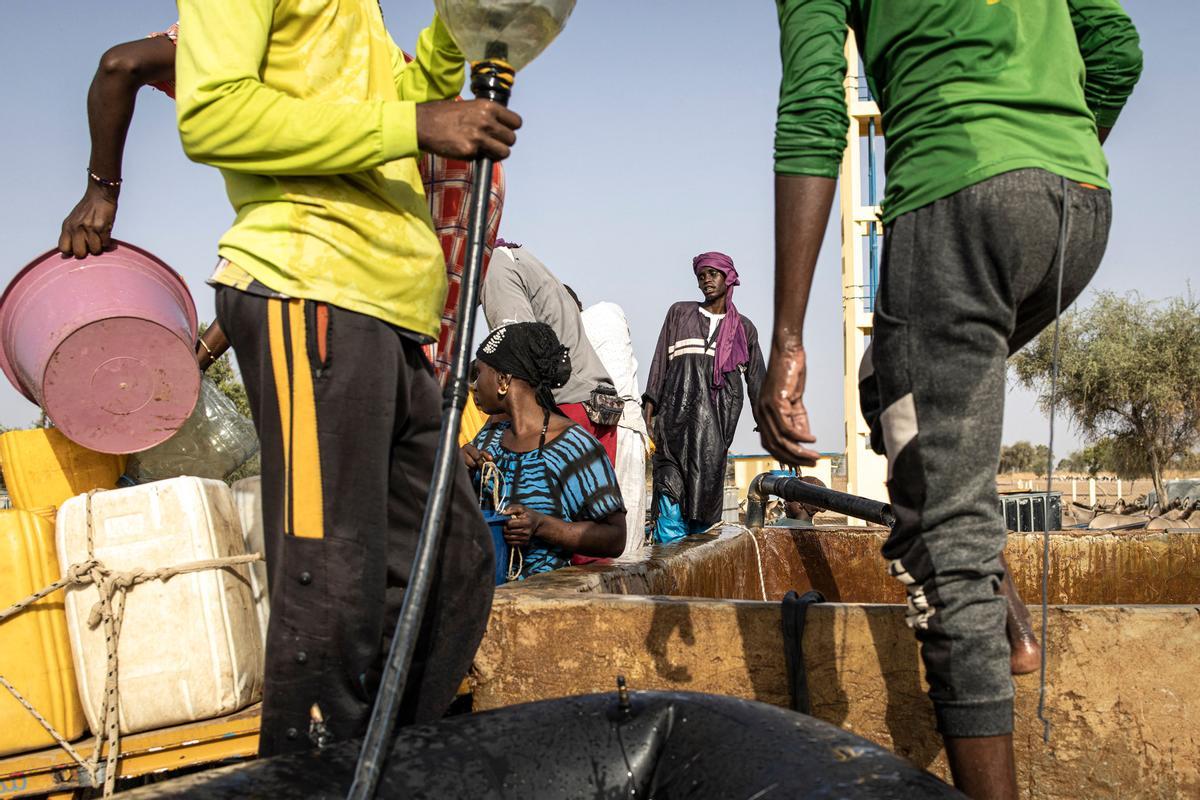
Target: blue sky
x=647 y=140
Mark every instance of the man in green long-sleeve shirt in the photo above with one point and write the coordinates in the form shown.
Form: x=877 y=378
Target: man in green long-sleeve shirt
x=329 y=282
x=996 y=216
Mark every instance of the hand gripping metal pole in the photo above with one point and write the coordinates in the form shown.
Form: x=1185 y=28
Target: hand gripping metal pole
x=763 y=487
x=491 y=80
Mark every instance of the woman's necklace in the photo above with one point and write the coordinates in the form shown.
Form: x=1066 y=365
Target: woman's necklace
x=522 y=457
x=515 y=444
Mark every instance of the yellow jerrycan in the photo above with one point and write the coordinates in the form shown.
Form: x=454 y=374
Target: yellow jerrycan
x=35 y=652
x=43 y=468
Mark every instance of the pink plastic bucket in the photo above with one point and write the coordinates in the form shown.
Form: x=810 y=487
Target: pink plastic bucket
x=105 y=345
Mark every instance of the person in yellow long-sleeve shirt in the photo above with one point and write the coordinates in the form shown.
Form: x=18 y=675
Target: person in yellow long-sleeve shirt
x=329 y=282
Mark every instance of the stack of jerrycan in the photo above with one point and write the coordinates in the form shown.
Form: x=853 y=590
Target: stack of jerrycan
x=42 y=469
x=190 y=647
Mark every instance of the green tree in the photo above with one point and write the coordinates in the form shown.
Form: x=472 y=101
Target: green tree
x=1114 y=455
x=1016 y=457
x=1041 y=459
x=1092 y=460
x=1024 y=457
x=1129 y=372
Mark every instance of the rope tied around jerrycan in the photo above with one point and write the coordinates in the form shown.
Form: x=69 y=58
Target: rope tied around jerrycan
x=108 y=611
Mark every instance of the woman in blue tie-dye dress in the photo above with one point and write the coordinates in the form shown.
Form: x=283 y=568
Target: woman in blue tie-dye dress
x=560 y=488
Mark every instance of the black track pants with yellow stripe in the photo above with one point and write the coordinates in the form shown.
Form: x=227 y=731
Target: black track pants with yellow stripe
x=347 y=414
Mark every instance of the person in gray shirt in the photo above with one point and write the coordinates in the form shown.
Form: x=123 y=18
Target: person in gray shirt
x=520 y=288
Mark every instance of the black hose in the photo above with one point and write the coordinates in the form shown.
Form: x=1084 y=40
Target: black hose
x=375 y=746
x=395 y=676
x=797 y=491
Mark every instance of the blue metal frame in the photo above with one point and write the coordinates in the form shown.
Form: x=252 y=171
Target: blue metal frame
x=873 y=236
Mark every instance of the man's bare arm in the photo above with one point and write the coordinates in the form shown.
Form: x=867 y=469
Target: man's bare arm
x=802 y=205
x=211 y=345
x=123 y=70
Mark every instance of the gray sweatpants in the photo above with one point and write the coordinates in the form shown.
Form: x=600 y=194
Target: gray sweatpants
x=967 y=281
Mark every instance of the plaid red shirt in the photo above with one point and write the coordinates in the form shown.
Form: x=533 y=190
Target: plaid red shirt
x=171 y=33
x=448 y=189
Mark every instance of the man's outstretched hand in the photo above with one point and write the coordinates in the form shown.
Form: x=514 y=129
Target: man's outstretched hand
x=782 y=418
x=466 y=129
x=88 y=228
x=802 y=204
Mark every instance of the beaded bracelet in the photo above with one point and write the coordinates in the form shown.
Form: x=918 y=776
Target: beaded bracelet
x=107 y=183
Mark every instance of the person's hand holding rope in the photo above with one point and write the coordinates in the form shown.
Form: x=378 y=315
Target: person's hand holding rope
x=523 y=526
x=474 y=457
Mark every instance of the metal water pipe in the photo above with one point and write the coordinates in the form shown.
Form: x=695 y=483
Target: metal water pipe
x=795 y=490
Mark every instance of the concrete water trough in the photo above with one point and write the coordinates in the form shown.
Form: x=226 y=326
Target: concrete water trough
x=1123 y=697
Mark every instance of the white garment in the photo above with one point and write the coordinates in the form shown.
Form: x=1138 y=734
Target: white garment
x=714 y=320
x=631 y=477
x=608 y=331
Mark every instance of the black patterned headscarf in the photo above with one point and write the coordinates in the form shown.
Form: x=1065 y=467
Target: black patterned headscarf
x=532 y=352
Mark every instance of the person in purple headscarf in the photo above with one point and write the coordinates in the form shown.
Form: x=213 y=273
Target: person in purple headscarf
x=694 y=398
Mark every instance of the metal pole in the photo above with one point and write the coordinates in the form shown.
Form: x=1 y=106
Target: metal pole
x=490 y=81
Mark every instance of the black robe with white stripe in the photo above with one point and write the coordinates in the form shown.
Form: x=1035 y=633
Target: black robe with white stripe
x=692 y=433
